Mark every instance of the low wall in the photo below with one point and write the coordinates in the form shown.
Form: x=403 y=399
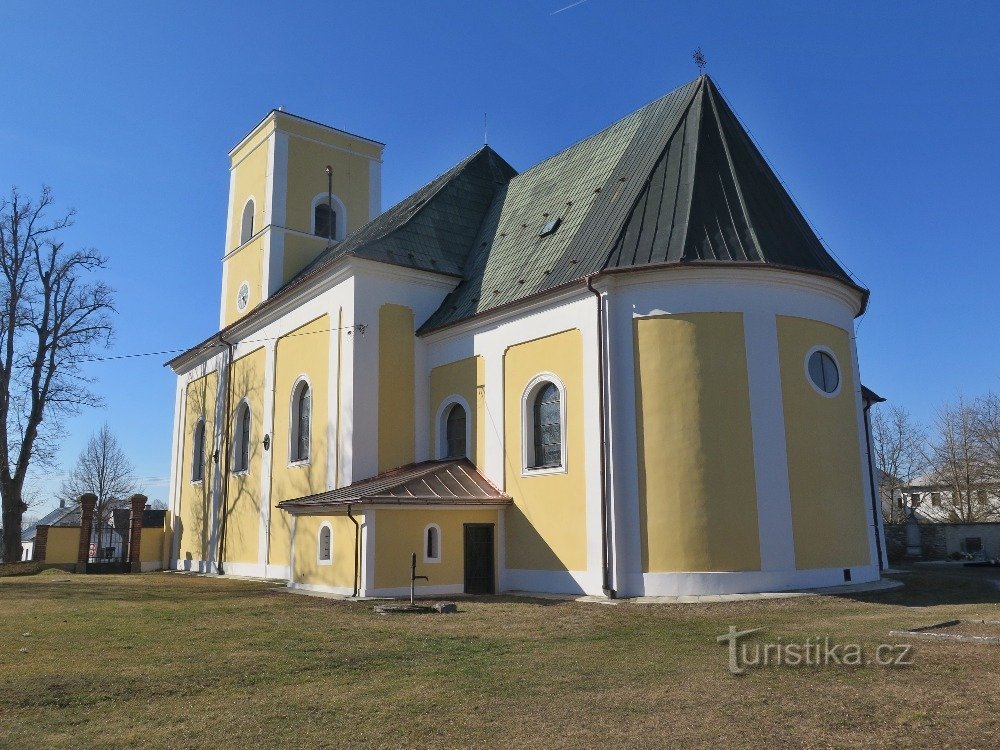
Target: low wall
x=940 y=540
x=62 y=545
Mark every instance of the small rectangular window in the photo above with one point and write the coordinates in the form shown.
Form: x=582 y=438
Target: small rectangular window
x=973 y=544
x=935 y=499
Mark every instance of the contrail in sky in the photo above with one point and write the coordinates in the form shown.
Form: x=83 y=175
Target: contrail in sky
x=578 y=2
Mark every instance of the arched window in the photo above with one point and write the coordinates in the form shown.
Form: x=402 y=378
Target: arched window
x=198 y=452
x=325 y=547
x=241 y=439
x=544 y=426
x=325 y=221
x=246 y=225
x=301 y=421
x=432 y=543
x=455 y=431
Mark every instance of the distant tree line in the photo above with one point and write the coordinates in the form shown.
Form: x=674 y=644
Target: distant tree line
x=949 y=471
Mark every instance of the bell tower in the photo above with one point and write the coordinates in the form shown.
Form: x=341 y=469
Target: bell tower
x=296 y=187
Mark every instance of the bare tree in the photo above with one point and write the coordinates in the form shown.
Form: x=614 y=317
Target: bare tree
x=103 y=469
x=52 y=317
x=987 y=430
x=900 y=448
x=960 y=464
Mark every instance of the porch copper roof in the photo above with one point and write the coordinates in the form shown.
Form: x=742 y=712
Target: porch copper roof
x=448 y=482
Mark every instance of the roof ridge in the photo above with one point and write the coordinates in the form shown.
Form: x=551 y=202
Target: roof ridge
x=634 y=113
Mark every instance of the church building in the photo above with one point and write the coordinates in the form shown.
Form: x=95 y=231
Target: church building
x=628 y=370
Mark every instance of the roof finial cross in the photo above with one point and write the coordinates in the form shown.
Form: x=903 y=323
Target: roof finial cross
x=699 y=60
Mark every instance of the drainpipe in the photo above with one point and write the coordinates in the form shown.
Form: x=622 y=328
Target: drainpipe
x=871 y=479
x=357 y=550
x=609 y=590
x=226 y=427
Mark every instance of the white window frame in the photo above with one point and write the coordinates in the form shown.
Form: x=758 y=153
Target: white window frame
x=236 y=445
x=338 y=207
x=251 y=201
x=427 y=528
x=200 y=422
x=840 y=371
x=293 y=421
x=441 y=426
x=528 y=426
x=319 y=544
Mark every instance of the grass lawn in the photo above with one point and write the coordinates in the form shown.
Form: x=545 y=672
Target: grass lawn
x=165 y=660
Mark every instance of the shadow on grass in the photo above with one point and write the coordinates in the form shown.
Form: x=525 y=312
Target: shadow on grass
x=929 y=587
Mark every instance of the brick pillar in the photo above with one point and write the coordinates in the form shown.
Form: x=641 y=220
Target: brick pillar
x=87 y=503
x=41 y=542
x=138 y=503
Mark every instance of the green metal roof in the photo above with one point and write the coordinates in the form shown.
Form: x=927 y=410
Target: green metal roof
x=678 y=181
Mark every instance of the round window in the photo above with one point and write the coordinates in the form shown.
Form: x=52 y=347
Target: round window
x=243 y=296
x=823 y=371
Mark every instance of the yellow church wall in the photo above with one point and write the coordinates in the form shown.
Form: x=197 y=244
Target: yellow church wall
x=307 y=568
x=697 y=490
x=242 y=506
x=193 y=523
x=824 y=463
x=307 y=162
x=464 y=377
x=399 y=533
x=396 y=421
x=246 y=264
x=249 y=180
x=546 y=527
x=63 y=544
x=302 y=352
x=315 y=131
x=300 y=251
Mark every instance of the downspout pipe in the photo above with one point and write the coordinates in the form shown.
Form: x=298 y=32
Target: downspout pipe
x=871 y=479
x=357 y=550
x=608 y=589
x=224 y=458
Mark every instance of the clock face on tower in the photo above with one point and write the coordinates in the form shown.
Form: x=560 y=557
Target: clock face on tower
x=243 y=296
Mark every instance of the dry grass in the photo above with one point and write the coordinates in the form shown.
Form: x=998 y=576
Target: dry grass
x=165 y=660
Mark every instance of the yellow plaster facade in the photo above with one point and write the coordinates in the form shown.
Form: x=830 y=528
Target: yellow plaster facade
x=546 y=526
x=400 y=533
x=465 y=378
x=396 y=419
x=824 y=465
x=303 y=353
x=193 y=524
x=242 y=507
x=308 y=569
x=697 y=491
x=63 y=545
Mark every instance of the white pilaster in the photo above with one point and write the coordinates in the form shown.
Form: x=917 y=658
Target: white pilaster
x=267 y=459
x=770 y=454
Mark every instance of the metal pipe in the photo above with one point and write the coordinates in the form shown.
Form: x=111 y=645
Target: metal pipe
x=329 y=202
x=414 y=576
x=357 y=550
x=609 y=590
x=871 y=479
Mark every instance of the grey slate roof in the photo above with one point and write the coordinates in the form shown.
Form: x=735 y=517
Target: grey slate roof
x=448 y=482
x=433 y=228
x=59 y=517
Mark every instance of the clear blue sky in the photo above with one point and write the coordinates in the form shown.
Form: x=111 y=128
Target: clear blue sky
x=881 y=117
